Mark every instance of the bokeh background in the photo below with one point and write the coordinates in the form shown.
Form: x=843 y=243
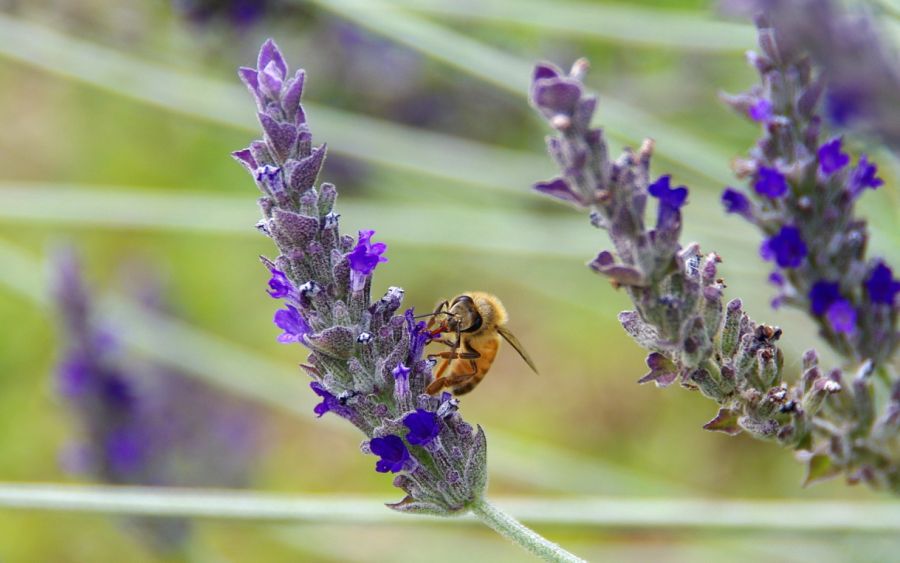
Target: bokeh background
x=116 y=122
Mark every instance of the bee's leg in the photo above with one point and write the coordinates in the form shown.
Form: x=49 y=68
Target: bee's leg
x=456 y=381
x=454 y=355
x=460 y=383
x=441 y=368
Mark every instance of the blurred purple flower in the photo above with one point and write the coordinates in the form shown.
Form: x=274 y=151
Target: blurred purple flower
x=735 y=202
x=760 y=110
x=770 y=183
x=863 y=176
x=786 y=248
x=842 y=316
x=881 y=285
x=831 y=159
x=822 y=295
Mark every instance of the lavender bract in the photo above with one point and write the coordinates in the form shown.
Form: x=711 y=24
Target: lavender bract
x=367 y=363
x=681 y=316
x=141 y=424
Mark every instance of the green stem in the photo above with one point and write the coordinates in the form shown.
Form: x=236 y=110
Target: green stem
x=515 y=531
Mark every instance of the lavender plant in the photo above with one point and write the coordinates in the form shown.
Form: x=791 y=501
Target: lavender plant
x=680 y=314
x=367 y=363
x=142 y=424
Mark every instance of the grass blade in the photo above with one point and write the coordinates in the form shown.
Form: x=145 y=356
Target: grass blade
x=632 y=25
x=511 y=74
x=784 y=516
x=229 y=104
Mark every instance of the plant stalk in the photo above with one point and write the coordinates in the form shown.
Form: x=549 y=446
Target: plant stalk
x=518 y=533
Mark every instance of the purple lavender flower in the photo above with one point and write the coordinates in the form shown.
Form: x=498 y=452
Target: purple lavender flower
x=292 y=323
x=760 y=110
x=786 y=248
x=881 y=285
x=367 y=363
x=393 y=453
x=807 y=47
x=831 y=159
x=863 y=176
x=770 y=182
x=364 y=258
x=239 y=13
x=279 y=285
x=424 y=427
x=842 y=316
x=680 y=314
x=832 y=249
x=670 y=200
x=142 y=424
x=822 y=295
x=736 y=202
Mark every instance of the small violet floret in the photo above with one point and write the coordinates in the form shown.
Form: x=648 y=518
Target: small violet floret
x=424 y=426
x=770 y=183
x=392 y=451
x=761 y=110
x=881 y=285
x=292 y=323
x=364 y=258
x=735 y=202
x=842 y=317
x=865 y=175
x=671 y=200
x=831 y=159
x=786 y=247
x=328 y=400
x=822 y=295
x=279 y=285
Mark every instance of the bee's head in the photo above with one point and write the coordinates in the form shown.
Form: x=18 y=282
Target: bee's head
x=464 y=315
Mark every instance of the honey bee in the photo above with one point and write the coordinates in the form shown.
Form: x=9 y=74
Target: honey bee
x=478 y=320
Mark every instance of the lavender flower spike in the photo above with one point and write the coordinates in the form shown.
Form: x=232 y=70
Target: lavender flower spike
x=360 y=350
x=818 y=239
x=681 y=315
x=142 y=424
x=367 y=362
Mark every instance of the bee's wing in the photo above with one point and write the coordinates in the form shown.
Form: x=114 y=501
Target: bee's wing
x=510 y=337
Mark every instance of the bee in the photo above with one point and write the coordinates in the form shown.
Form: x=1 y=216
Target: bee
x=478 y=320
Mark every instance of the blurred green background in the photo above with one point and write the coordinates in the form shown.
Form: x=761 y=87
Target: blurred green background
x=117 y=121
